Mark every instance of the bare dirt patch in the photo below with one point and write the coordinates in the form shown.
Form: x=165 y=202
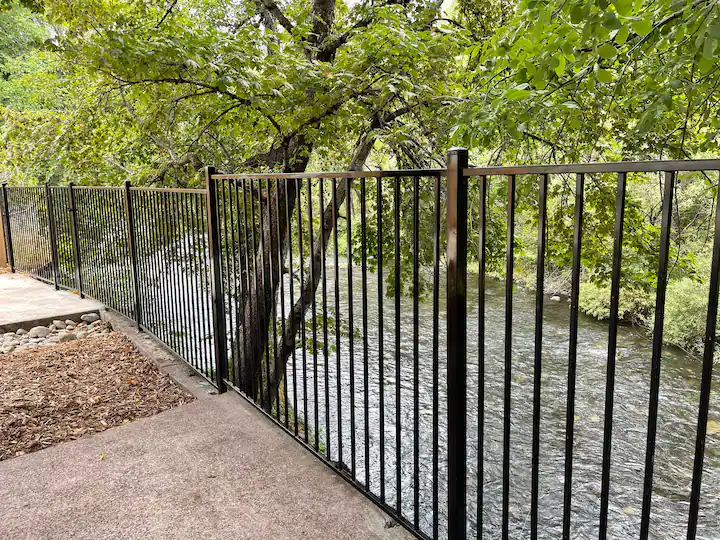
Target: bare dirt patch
x=58 y=393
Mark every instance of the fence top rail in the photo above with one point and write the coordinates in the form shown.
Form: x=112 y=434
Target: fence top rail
x=610 y=167
x=95 y=188
x=197 y=191
x=564 y=168
x=333 y=175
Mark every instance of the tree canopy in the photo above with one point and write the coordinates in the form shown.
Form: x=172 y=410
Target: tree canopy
x=103 y=91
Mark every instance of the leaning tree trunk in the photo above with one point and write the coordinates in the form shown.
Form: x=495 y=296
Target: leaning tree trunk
x=262 y=295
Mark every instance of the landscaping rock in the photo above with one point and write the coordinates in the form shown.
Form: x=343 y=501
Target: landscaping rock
x=39 y=332
x=69 y=324
x=90 y=317
x=64 y=338
x=555 y=298
x=21 y=332
x=81 y=334
x=52 y=328
x=59 y=324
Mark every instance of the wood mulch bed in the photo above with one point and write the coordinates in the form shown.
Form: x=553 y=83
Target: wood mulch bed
x=62 y=392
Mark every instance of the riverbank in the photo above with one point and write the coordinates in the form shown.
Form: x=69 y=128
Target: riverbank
x=685 y=306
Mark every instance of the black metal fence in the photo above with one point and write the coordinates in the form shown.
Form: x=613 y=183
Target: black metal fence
x=337 y=303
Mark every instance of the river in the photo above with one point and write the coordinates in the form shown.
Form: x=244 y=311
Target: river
x=679 y=394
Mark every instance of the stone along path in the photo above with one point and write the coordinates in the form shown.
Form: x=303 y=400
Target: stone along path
x=58 y=331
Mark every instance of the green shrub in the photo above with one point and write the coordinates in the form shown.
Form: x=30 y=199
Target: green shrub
x=636 y=305
x=685 y=314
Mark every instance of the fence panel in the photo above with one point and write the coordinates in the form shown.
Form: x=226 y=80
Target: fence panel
x=102 y=233
x=28 y=217
x=351 y=362
x=173 y=274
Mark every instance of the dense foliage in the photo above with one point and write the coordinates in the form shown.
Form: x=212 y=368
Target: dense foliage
x=109 y=90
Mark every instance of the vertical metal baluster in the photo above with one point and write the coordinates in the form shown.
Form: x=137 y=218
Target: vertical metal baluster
x=366 y=385
x=657 y=351
x=416 y=351
x=398 y=425
x=263 y=295
x=537 y=375
x=9 y=248
x=272 y=311
x=177 y=308
x=149 y=304
x=313 y=308
x=161 y=329
x=197 y=279
x=226 y=254
x=351 y=326
x=612 y=350
x=281 y=278
x=457 y=161
x=185 y=273
x=168 y=281
x=323 y=273
x=288 y=217
x=338 y=372
x=53 y=236
x=572 y=356
x=482 y=263
x=238 y=275
x=190 y=244
x=257 y=369
x=301 y=261
x=381 y=339
x=235 y=302
x=509 y=273
x=199 y=203
x=706 y=381
x=132 y=248
x=249 y=276
x=75 y=240
x=216 y=284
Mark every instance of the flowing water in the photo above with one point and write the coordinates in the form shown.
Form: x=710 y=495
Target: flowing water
x=679 y=394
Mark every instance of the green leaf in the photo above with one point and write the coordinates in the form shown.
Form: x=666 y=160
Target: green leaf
x=516 y=94
x=709 y=48
x=705 y=65
x=607 y=51
x=577 y=14
x=604 y=76
x=622 y=35
x=714 y=30
x=642 y=27
x=623 y=7
x=560 y=69
x=610 y=20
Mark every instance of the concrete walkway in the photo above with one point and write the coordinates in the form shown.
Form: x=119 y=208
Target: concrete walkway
x=215 y=469
x=26 y=302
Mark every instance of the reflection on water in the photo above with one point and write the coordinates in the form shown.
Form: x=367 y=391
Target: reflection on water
x=679 y=394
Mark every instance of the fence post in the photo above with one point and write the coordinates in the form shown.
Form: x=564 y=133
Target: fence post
x=457 y=340
x=53 y=236
x=75 y=239
x=216 y=284
x=132 y=248
x=6 y=224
